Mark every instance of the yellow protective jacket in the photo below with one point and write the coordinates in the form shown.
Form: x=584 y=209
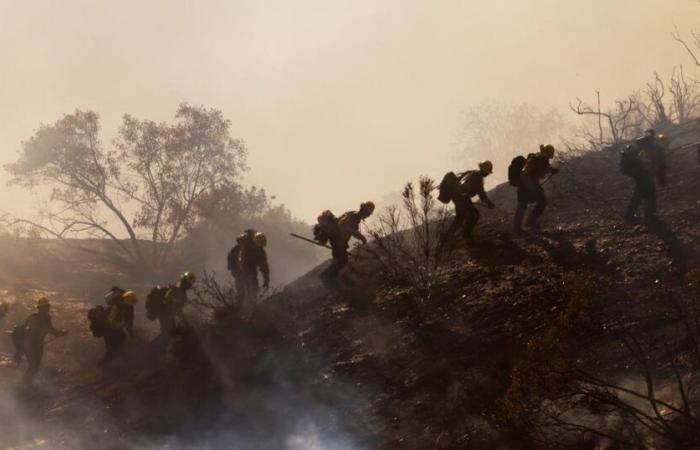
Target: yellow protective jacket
x=537 y=167
x=473 y=184
x=348 y=227
x=121 y=316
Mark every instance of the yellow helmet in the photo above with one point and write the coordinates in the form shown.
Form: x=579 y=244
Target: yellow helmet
x=4 y=307
x=486 y=167
x=130 y=297
x=547 y=151
x=367 y=206
x=260 y=239
x=43 y=301
x=189 y=278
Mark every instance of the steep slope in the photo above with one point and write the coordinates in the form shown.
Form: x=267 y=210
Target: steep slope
x=373 y=364
x=436 y=373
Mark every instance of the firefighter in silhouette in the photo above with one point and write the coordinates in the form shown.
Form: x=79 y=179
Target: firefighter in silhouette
x=120 y=321
x=471 y=183
x=33 y=332
x=234 y=264
x=339 y=233
x=245 y=260
x=170 y=311
x=537 y=166
x=645 y=162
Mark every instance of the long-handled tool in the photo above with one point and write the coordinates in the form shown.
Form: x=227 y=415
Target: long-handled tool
x=547 y=179
x=310 y=241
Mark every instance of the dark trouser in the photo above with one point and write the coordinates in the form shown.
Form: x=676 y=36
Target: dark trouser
x=340 y=258
x=18 y=336
x=251 y=286
x=238 y=282
x=167 y=325
x=114 y=343
x=466 y=217
x=529 y=191
x=34 y=353
x=644 y=191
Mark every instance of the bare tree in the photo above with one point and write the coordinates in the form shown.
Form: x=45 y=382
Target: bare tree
x=141 y=194
x=685 y=96
x=613 y=125
x=407 y=239
x=656 y=106
x=692 y=52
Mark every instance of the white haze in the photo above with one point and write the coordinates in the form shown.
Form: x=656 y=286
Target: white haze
x=338 y=101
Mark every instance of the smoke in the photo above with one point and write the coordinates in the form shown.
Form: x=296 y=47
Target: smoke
x=264 y=395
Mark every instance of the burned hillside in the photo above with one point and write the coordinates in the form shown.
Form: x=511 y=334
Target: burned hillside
x=443 y=372
x=507 y=326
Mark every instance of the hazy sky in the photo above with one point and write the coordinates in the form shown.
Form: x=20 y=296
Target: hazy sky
x=339 y=101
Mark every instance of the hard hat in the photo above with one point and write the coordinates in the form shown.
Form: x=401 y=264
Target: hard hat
x=486 y=167
x=43 y=301
x=260 y=239
x=367 y=206
x=189 y=278
x=547 y=151
x=130 y=298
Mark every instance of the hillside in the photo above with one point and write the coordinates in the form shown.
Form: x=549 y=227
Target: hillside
x=436 y=373
x=373 y=364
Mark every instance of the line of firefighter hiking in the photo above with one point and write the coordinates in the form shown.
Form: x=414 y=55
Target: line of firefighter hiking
x=643 y=161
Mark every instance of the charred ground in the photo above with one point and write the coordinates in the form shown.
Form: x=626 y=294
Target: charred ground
x=372 y=364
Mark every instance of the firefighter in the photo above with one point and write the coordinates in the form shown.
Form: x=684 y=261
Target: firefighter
x=245 y=260
x=537 y=166
x=120 y=323
x=466 y=214
x=645 y=162
x=170 y=312
x=35 y=329
x=347 y=226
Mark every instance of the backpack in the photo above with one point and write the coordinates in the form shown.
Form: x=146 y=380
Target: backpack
x=448 y=187
x=515 y=169
x=232 y=259
x=327 y=222
x=471 y=183
x=97 y=317
x=630 y=162
x=154 y=301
